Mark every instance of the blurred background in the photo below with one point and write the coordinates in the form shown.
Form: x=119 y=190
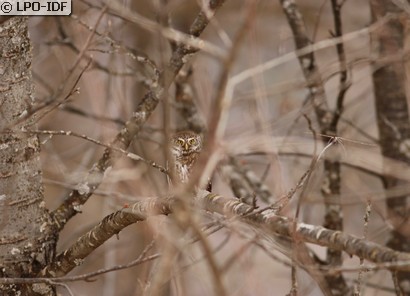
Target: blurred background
x=89 y=60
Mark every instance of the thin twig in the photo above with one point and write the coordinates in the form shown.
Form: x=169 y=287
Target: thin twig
x=73 y=202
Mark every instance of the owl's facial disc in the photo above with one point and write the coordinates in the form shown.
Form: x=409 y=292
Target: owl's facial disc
x=183 y=146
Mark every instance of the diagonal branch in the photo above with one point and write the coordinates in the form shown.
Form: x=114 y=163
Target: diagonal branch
x=76 y=198
x=307 y=61
x=268 y=222
x=284 y=226
x=108 y=227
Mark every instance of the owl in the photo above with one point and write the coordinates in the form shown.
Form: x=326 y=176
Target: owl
x=185 y=148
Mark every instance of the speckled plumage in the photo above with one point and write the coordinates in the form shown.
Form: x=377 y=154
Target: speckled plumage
x=186 y=147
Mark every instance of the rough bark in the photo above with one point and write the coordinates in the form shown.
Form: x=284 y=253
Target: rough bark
x=393 y=122
x=27 y=242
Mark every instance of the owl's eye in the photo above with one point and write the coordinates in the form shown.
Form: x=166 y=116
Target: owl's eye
x=192 y=141
x=180 y=142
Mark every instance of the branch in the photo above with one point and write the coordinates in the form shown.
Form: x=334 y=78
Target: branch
x=307 y=61
x=185 y=104
x=327 y=119
x=244 y=182
x=231 y=208
x=343 y=82
x=76 y=198
x=108 y=227
x=283 y=226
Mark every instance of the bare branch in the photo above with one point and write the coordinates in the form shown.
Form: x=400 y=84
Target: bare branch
x=73 y=202
x=109 y=226
x=266 y=221
x=382 y=256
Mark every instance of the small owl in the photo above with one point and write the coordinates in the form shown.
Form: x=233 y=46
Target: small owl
x=186 y=147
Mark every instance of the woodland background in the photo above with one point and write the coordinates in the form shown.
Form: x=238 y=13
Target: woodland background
x=295 y=117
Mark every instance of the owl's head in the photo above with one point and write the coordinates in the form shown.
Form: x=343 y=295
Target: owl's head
x=185 y=143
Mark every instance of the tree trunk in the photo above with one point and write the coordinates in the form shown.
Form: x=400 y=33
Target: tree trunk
x=393 y=122
x=27 y=239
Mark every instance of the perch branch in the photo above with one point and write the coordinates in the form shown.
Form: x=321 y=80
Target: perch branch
x=76 y=198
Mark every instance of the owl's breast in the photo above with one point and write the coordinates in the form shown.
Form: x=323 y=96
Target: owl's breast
x=183 y=171
x=184 y=164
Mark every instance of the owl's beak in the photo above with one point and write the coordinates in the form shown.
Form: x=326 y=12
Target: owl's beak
x=186 y=146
